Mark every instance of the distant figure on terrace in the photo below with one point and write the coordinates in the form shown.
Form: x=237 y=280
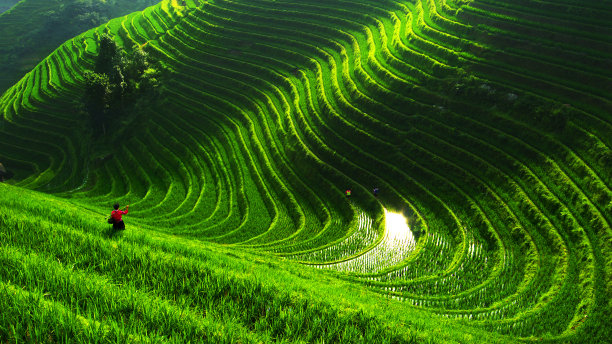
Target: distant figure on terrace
x=348 y=193
x=116 y=217
x=375 y=192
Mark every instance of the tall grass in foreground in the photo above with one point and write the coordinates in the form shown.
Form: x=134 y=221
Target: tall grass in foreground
x=68 y=277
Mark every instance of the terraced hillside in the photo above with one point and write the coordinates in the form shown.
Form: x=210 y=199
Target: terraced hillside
x=486 y=123
x=7 y=4
x=32 y=29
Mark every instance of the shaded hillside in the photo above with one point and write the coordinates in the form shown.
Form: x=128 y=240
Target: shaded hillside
x=34 y=28
x=6 y=5
x=487 y=123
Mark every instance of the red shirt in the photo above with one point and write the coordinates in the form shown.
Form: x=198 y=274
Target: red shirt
x=116 y=214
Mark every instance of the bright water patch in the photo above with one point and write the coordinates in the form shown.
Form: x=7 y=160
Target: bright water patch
x=397 y=232
x=397 y=244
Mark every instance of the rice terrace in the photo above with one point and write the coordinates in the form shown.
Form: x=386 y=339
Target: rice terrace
x=306 y=171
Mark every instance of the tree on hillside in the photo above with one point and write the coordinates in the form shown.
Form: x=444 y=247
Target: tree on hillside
x=107 y=55
x=120 y=86
x=97 y=96
x=34 y=28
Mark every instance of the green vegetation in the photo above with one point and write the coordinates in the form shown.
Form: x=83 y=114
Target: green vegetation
x=34 y=28
x=6 y=5
x=120 y=86
x=64 y=278
x=485 y=122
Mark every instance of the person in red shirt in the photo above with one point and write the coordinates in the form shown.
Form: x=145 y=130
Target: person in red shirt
x=117 y=214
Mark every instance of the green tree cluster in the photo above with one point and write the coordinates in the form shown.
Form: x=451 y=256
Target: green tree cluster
x=119 y=88
x=32 y=29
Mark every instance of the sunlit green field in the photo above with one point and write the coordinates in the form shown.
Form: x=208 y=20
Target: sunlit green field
x=485 y=125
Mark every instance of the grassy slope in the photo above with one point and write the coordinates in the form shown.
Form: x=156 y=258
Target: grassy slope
x=243 y=296
x=515 y=215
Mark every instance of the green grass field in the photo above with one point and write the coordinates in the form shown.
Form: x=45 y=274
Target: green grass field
x=486 y=124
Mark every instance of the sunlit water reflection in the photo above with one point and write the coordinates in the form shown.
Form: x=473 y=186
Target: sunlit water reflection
x=397 y=232
x=397 y=244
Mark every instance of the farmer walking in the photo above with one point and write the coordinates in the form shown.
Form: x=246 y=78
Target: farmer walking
x=116 y=216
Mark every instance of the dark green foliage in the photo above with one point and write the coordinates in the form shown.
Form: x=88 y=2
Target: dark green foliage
x=33 y=28
x=548 y=116
x=121 y=85
x=107 y=55
x=97 y=96
x=7 y=4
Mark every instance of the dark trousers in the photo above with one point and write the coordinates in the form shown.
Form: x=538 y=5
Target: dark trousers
x=119 y=225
